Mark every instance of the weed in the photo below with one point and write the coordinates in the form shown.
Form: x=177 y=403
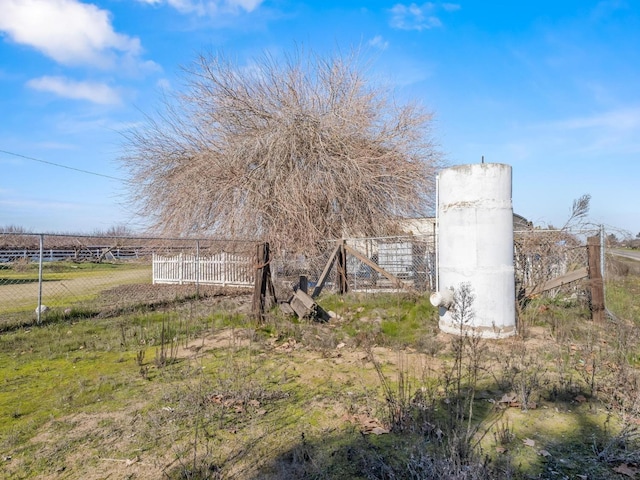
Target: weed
x=406 y=408
x=503 y=434
x=140 y=354
x=168 y=350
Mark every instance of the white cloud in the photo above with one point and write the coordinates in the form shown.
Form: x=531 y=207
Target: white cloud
x=379 y=42
x=64 y=87
x=40 y=204
x=414 y=17
x=212 y=7
x=619 y=120
x=248 y=5
x=611 y=134
x=419 y=17
x=68 y=31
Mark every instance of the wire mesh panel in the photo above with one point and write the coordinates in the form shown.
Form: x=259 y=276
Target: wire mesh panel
x=372 y=265
x=287 y=268
x=409 y=259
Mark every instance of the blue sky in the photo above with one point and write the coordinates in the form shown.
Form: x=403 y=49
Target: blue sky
x=549 y=87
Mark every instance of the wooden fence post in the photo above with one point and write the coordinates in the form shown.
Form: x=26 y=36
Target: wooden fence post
x=596 y=282
x=264 y=296
x=341 y=268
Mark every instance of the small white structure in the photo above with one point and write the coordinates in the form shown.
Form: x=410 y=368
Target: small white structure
x=475 y=248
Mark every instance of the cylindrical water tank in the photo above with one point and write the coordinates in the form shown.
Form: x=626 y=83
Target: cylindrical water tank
x=475 y=250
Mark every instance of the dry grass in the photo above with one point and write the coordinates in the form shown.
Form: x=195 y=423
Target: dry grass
x=294 y=150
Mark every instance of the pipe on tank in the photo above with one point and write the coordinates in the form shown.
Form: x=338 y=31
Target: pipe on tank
x=443 y=299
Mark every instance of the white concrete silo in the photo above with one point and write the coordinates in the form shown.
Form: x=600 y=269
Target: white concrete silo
x=475 y=248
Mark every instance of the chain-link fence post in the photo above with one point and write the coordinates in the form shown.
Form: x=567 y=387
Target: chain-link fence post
x=596 y=281
x=197 y=268
x=40 y=260
x=602 y=251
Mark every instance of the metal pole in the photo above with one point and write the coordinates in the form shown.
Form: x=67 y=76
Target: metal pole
x=602 y=245
x=197 y=268
x=602 y=267
x=436 y=234
x=38 y=310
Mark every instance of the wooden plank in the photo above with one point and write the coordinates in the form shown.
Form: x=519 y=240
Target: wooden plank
x=395 y=280
x=306 y=300
x=257 y=305
x=572 y=276
x=303 y=305
x=286 y=309
x=325 y=272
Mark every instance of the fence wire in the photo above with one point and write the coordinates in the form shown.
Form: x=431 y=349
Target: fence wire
x=66 y=275
x=541 y=256
x=622 y=279
x=409 y=259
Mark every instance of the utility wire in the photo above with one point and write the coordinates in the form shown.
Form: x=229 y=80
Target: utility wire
x=64 y=166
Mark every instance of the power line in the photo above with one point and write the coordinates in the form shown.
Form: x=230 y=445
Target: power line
x=64 y=166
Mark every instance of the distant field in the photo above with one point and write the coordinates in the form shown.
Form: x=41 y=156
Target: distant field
x=65 y=284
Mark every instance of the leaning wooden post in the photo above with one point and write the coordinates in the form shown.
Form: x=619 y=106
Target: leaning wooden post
x=341 y=268
x=264 y=296
x=596 y=283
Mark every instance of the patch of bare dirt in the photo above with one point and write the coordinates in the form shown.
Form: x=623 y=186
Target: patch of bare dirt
x=159 y=296
x=228 y=338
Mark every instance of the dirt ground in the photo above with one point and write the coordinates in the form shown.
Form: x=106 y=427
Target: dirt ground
x=118 y=432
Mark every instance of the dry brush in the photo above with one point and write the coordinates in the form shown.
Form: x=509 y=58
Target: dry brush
x=293 y=150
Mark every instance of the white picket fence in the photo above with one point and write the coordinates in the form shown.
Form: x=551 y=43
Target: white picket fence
x=224 y=269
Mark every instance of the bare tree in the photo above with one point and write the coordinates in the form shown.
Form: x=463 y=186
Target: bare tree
x=295 y=151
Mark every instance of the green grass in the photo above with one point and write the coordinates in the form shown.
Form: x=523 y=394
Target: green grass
x=234 y=398
x=396 y=319
x=621 y=297
x=622 y=288
x=67 y=270
x=70 y=291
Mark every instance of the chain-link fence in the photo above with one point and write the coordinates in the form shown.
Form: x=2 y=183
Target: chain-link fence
x=556 y=263
x=547 y=262
x=622 y=278
x=372 y=265
x=66 y=275
x=552 y=262
x=43 y=274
